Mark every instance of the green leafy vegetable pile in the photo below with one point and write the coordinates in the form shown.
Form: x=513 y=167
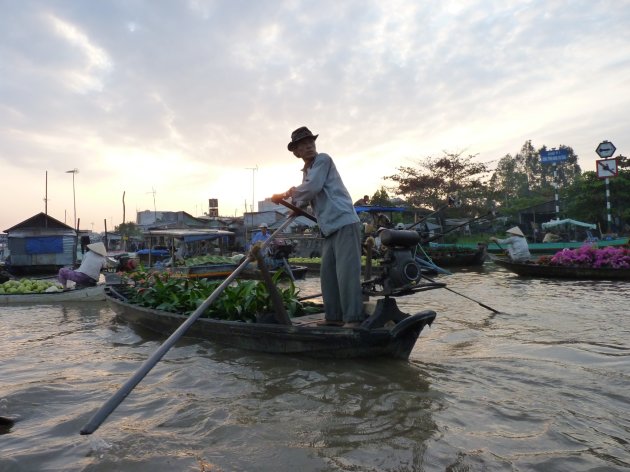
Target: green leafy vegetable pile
x=243 y=300
x=201 y=260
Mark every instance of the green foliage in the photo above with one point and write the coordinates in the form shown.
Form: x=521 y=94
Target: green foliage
x=381 y=198
x=435 y=179
x=519 y=203
x=129 y=229
x=240 y=301
x=519 y=181
x=585 y=200
x=523 y=180
x=508 y=181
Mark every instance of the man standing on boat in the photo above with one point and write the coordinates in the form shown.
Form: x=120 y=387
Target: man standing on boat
x=340 y=272
x=516 y=245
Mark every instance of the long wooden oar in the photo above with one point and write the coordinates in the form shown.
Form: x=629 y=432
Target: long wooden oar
x=451 y=202
x=111 y=404
x=297 y=211
x=500 y=247
x=462 y=295
x=453 y=228
x=505 y=252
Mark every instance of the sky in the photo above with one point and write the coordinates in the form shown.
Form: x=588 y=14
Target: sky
x=165 y=104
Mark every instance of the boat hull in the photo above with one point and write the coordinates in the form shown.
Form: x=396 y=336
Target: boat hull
x=222 y=271
x=566 y=272
x=458 y=256
x=304 y=337
x=552 y=248
x=86 y=294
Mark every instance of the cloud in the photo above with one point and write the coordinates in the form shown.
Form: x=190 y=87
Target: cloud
x=187 y=96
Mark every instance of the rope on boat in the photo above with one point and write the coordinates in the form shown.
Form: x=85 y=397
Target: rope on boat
x=428 y=262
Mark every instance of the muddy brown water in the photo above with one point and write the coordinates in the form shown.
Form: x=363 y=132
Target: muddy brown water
x=541 y=386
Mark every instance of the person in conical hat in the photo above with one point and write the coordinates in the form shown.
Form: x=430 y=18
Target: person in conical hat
x=98 y=248
x=89 y=271
x=516 y=245
x=516 y=231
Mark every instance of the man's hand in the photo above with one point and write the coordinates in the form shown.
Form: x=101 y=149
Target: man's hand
x=282 y=196
x=278 y=197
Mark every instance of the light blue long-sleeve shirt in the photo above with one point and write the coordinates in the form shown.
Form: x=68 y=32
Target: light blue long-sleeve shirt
x=517 y=248
x=259 y=236
x=323 y=188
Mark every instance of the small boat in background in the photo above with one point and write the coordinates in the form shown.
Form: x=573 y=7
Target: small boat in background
x=81 y=294
x=552 y=248
x=533 y=269
x=454 y=255
x=220 y=269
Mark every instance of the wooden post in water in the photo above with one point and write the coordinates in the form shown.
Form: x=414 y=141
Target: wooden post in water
x=76 y=243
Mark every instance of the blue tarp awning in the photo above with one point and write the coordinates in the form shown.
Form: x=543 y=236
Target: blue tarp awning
x=154 y=252
x=379 y=209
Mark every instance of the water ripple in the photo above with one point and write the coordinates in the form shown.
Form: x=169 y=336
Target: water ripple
x=541 y=385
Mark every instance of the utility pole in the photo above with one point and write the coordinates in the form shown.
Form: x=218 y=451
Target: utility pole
x=556 y=185
x=606 y=168
x=253 y=169
x=74 y=200
x=154 y=209
x=46 y=196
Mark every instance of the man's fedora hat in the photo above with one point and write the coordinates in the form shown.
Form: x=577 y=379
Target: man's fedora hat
x=300 y=134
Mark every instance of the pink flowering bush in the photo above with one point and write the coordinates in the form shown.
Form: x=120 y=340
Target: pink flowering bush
x=590 y=256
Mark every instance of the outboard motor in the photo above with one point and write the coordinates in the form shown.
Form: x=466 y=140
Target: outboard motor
x=280 y=248
x=400 y=269
x=400 y=275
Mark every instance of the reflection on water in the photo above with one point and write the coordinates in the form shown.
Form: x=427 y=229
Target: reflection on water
x=540 y=385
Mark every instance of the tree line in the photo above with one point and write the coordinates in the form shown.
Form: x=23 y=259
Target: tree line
x=517 y=182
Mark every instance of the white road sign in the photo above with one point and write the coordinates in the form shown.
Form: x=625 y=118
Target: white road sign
x=605 y=149
x=606 y=168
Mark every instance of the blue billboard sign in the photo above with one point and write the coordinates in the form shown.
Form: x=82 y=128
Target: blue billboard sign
x=553 y=156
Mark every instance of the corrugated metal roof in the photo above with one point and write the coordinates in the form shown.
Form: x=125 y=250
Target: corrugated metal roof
x=41 y=220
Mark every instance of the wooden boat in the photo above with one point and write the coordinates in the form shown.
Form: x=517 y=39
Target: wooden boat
x=205 y=271
x=454 y=255
x=221 y=271
x=532 y=269
x=376 y=337
x=552 y=248
x=84 y=294
x=386 y=331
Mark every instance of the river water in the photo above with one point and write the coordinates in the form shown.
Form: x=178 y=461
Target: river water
x=543 y=385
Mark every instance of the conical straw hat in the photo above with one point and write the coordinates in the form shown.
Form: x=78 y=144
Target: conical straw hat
x=516 y=230
x=98 y=248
